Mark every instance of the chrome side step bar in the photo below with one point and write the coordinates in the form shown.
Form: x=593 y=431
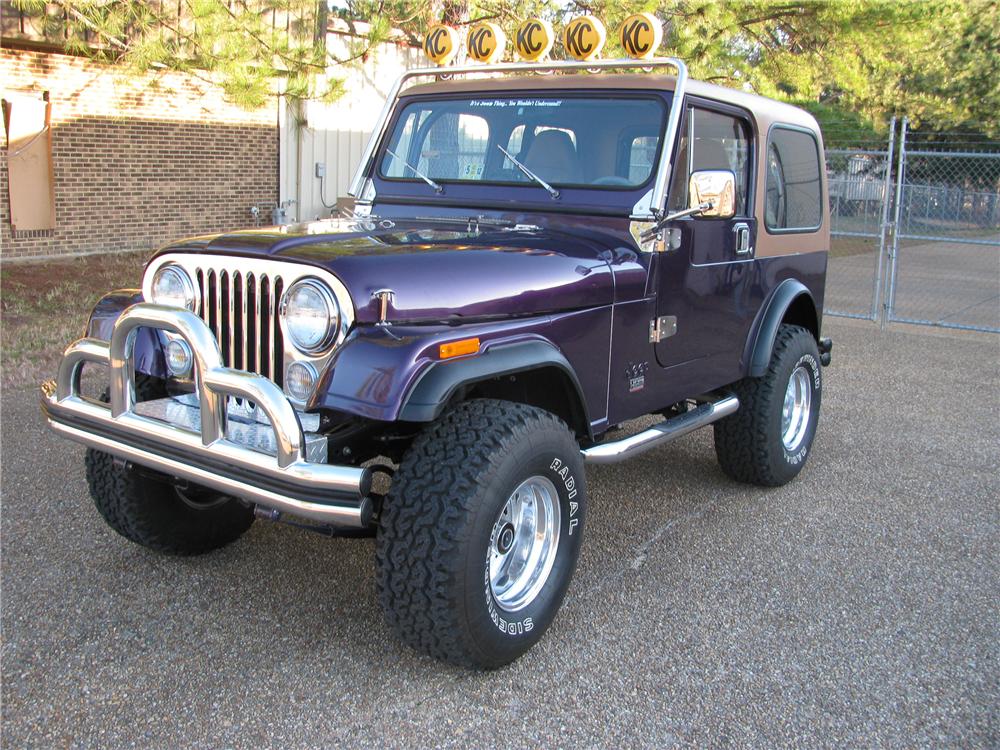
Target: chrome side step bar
x=662 y=433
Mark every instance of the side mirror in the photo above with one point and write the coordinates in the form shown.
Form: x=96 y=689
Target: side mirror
x=716 y=187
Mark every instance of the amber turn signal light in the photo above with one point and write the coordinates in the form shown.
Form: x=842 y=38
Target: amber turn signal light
x=458 y=348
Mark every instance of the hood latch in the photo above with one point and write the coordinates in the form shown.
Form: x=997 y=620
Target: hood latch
x=384 y=297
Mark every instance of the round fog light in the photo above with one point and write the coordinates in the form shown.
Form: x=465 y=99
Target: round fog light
x=178 y=358
x=300 y=377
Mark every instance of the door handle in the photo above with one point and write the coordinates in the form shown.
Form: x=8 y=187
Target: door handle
x=742 y=232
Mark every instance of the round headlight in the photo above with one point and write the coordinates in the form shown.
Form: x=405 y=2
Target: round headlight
x=311 y=315
x=172 y=286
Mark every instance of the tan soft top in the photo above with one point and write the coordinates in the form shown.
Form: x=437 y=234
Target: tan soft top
x=764 y=110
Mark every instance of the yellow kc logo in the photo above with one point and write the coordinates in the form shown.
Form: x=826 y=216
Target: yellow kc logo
x=441 y=44
x=641 y=35
x=486 y=42
x=584 y=37
x=534 y=39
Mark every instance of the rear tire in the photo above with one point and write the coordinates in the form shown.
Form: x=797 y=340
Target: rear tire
x=487 y=482
x=148 y=508
x=768 y=440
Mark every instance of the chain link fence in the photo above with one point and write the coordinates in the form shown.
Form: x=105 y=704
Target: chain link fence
x=915 y=231
x=860 y=186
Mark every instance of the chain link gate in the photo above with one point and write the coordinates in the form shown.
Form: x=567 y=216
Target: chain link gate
x=860 y=187
x=946 y=241
x=915 y=234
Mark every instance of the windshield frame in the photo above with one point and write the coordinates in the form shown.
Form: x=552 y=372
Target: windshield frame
x=578 y=196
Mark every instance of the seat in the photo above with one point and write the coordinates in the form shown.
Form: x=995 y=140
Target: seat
x=552 y=156
x=709 y=153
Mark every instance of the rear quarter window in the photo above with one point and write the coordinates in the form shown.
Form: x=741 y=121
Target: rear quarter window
x=793 y=200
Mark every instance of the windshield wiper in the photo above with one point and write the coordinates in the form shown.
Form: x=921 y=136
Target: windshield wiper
x=417 y=172
x=528 y=173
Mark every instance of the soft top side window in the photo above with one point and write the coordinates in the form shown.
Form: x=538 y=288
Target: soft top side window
x=793 y=200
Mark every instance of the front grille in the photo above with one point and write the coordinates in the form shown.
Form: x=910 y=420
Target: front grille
x=241 y=309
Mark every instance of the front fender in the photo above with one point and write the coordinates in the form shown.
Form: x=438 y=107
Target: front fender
x=395 y=374
x=435 y=387
x=149 y=342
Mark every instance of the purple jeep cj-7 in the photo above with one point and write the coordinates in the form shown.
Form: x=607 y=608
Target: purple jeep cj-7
x=532 y=262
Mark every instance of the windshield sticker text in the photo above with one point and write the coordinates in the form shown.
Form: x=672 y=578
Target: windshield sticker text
x=501 y=103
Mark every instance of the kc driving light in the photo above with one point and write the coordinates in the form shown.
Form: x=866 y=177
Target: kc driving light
x=310 y=314
x=172 y=286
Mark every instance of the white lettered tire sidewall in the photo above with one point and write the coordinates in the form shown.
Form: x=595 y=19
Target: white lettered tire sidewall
x=803 y=353
x=556 y=457
x=435 y=528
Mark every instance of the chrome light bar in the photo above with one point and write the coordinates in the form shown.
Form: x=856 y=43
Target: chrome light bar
x=287 y=482
x=651 y=209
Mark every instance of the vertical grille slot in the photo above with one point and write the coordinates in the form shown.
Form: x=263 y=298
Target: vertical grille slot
x=266 y=330
x=241 y=310
x=235 y=321
x=279 y=345
x=225 y=336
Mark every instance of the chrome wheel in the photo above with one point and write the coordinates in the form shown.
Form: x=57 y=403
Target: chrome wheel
x=796 y=409
x=523 y=543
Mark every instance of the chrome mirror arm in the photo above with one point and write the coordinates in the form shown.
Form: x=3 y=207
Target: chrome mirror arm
x=658 y=226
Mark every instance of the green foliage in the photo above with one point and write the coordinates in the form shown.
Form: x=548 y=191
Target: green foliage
x=252 y=49
x=936 y=62
x=958 y=77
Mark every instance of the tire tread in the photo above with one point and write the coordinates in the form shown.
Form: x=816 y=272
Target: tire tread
x=148 y=512
x=742 y=439
x=424 y=520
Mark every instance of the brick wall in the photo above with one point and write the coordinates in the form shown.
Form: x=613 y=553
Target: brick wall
x=138 y=163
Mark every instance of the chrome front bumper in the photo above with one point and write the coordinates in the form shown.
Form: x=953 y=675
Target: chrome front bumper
x=203 y=450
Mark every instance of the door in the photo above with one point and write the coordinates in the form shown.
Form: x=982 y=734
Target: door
x=703 y=285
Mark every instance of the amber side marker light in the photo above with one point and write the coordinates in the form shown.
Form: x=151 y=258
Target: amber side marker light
x=458 y=348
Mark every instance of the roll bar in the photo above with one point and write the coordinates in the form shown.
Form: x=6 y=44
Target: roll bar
x=649 y=207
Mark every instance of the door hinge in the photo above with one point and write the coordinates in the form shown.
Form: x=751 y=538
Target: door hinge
x=662 y=328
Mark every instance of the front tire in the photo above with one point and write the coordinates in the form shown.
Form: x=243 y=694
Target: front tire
x=480 y=533
x=768 y=440
x=148 y=508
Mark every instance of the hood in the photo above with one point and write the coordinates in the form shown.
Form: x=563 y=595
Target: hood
x=437 y=271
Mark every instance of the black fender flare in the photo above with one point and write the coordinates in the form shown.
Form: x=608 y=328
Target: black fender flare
x=781 y=299
x=435 y=387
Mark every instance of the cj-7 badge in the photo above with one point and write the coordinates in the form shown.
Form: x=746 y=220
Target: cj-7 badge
x=636 y=374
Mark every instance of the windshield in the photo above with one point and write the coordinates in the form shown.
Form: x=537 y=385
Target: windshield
x=572 y=141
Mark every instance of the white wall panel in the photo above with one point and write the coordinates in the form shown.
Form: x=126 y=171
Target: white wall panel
x=335 y=134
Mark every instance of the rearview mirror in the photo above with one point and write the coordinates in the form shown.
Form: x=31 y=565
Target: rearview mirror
x=716 y=187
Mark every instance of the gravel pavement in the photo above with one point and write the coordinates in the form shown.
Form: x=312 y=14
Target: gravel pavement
x=857 y=606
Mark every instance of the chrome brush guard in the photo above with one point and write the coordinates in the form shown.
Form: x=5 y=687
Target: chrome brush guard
x=201 y=448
